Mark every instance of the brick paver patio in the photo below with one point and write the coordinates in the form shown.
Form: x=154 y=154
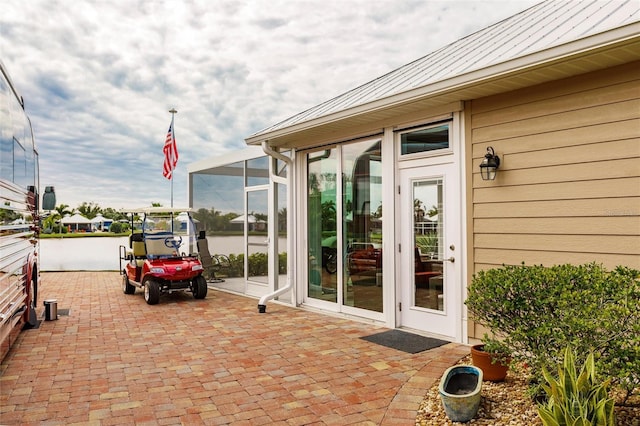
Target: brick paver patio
x=116 y=360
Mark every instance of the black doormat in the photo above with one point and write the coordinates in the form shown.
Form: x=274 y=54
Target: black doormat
x=403 y=341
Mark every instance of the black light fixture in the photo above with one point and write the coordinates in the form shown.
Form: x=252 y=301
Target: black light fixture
x=489 y=165
x=49 y=198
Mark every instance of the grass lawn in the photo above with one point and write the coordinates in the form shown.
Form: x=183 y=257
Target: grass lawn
x=84 y=235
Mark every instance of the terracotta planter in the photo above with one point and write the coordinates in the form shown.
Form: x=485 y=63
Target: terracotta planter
x=493 y=372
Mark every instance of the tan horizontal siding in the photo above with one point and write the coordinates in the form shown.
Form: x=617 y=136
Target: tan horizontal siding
x=556 y=89
x=576 y=154
x=532 y=173
x=495 y=258
x=568 y=186
x=593 y=244
x=587 y=135
x=625 y=110
x=619 y=225
x=599 y=207
x=588 y=99
x=612 y=188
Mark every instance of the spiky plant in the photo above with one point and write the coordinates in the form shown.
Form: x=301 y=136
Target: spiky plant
x=576 y=398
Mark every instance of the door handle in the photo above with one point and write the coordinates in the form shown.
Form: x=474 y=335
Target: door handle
x=451 y=259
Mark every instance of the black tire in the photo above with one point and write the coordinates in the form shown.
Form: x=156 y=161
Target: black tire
x=199 y=288
x=127 y=287
x=331 y=265
x=152 y=292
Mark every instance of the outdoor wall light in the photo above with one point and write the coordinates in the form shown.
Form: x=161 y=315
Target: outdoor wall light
x=49 y=198
x=489 y=165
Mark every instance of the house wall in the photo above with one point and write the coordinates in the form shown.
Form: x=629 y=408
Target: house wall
x=568 y=187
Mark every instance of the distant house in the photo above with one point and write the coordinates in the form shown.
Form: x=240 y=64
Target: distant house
x=553 y=92
x=77 y=223
x=101 y=223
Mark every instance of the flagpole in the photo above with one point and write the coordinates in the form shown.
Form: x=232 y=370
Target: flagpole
x=173 y=111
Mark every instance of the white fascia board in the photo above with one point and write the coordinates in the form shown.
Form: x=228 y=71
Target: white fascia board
x=247 y=153
x=476 y=77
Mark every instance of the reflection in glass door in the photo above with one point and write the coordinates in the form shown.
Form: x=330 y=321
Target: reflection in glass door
x=344 y=227
x=257 y=237
x=321 y=224
x=362 y=225
x=428 y=290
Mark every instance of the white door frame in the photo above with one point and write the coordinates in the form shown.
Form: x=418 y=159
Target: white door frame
x=455 y=157
x=444 y=321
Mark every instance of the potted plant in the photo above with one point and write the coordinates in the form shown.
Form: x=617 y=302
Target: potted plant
x=492 y=357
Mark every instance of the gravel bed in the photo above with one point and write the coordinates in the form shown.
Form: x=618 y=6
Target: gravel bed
x=504 y=403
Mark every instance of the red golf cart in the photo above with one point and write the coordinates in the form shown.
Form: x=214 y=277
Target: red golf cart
x=162 y=255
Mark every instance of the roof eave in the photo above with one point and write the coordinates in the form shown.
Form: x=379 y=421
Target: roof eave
x=627 y=36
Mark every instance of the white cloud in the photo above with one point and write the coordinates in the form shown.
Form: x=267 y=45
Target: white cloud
x=99 y=77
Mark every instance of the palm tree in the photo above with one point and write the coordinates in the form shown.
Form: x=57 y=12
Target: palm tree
x=208 y=219
x=89 y=210
x=60 y=212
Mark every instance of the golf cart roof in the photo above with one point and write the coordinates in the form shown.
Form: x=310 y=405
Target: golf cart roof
x=157 y=210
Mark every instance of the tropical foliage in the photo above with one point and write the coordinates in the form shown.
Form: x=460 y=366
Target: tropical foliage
x=537 y=311
x=576 y=397
x=89 y=210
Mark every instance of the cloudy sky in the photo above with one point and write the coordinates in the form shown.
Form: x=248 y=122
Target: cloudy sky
x=98 y=77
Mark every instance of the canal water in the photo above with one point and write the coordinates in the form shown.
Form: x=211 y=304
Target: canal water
x=101 y=253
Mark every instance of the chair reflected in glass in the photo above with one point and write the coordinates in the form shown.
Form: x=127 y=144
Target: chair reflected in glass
x=428 y=282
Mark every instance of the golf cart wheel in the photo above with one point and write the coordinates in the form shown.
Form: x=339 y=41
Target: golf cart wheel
x=151 y=292
x=200 y=288
x=331 y=266
x=127 y=287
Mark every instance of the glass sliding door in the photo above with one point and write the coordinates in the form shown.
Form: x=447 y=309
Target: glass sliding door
x=362 y=225
x=321 y=224
x=344 y=225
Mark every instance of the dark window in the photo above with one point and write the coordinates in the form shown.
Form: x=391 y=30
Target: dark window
x=424 y=140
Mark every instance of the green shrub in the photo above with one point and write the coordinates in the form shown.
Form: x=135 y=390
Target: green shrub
x=538 y=311
x=236 y=265
x=576 y=398
x=258 y=265
x=118 y=227
x=282 y=263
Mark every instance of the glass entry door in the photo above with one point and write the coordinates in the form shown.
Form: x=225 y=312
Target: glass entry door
x=430 y=293
x=257 y=241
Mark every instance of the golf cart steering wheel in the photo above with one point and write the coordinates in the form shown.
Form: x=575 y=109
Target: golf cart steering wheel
x=173 y=242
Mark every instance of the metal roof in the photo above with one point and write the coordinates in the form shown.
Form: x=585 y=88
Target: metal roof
x=540 y=28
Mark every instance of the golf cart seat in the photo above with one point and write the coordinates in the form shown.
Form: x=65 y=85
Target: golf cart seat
x=138 y=250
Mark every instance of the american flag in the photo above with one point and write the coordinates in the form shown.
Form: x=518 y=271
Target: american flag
x=170 y=150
